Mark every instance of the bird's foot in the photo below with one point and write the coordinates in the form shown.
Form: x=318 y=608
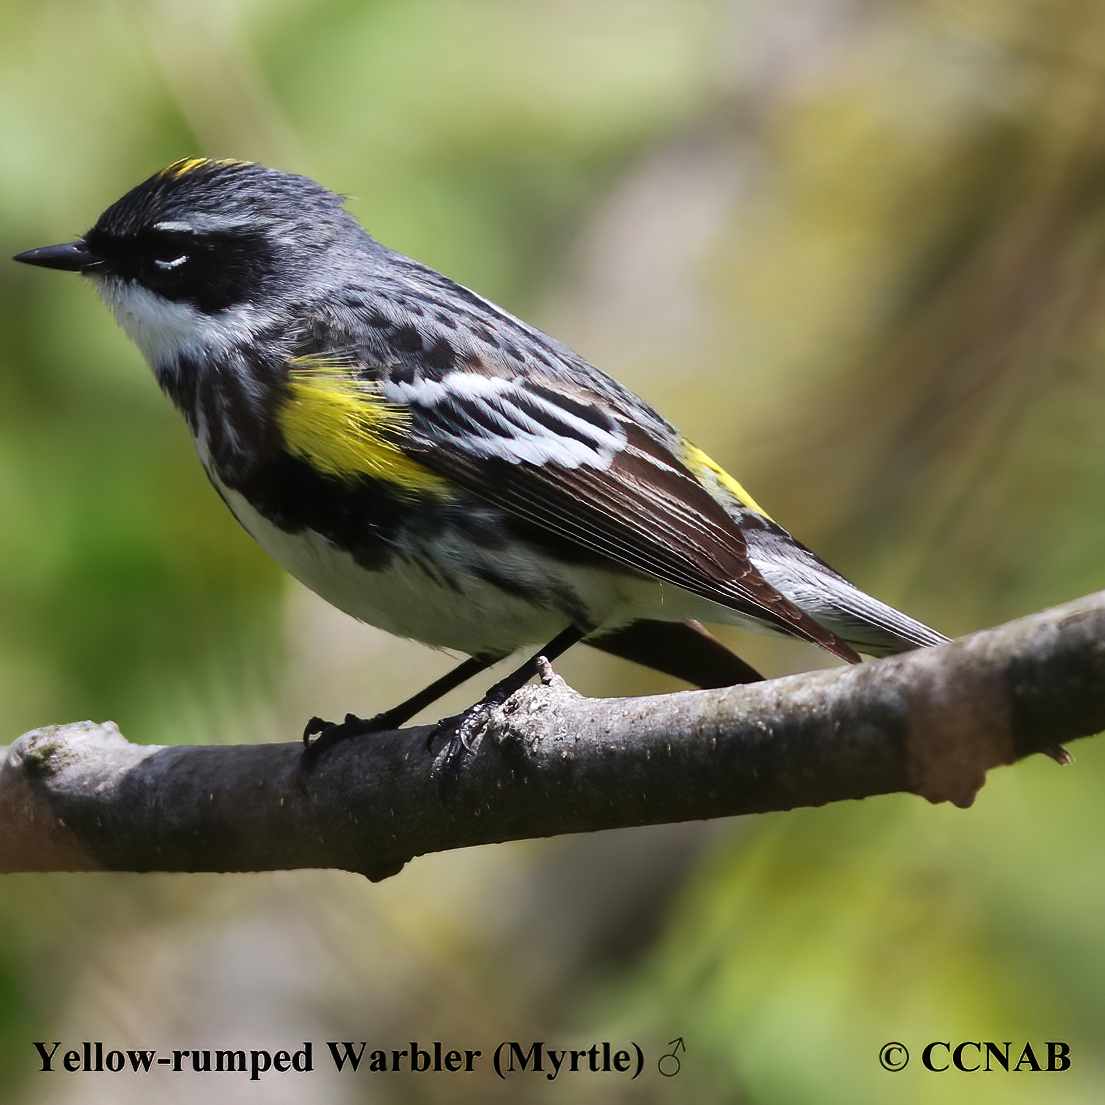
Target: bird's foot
x=459 y=734
x=320 y=735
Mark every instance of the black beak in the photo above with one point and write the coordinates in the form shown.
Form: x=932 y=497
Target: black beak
x=70 y=256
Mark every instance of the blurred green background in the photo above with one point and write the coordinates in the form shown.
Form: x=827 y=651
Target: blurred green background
x=854 y=248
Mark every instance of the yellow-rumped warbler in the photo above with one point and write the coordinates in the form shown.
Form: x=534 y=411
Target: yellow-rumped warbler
x=432 y=465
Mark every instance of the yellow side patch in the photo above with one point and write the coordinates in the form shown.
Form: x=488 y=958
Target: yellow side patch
x=702 y=466
x=336 y=424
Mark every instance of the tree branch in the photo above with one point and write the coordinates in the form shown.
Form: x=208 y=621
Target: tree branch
x=933 y=722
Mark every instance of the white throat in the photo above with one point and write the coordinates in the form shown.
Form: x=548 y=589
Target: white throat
x=165 y=331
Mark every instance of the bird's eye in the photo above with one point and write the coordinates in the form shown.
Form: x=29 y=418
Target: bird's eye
x=170 y=262
x=168 y=250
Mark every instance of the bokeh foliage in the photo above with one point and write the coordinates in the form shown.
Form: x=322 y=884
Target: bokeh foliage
x=853 y=247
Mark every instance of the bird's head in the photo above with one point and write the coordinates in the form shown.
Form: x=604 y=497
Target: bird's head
x=206 y=253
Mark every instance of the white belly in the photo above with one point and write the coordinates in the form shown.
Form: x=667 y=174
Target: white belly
x=472 y=616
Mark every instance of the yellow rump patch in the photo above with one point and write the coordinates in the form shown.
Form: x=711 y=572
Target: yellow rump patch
x=701 y=465
x=339 y=426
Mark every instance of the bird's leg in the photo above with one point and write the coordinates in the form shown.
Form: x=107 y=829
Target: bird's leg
x=459 y=731
x=327 y=733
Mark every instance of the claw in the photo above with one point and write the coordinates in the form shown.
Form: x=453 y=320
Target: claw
x=328 y=733
x=314 y=728
x=459 y=733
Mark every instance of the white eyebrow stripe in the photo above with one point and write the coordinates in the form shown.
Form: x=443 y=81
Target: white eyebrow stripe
x=177 y=227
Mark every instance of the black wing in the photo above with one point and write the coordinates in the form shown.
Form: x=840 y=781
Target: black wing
x=570 y=462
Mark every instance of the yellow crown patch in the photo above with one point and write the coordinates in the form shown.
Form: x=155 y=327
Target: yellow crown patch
x=189 y=165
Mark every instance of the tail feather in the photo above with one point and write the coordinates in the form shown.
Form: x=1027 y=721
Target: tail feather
x=685 y=650
x=872 y=626
x=865 y=623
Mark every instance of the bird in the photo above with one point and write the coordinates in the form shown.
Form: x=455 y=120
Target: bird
x=434 y=466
